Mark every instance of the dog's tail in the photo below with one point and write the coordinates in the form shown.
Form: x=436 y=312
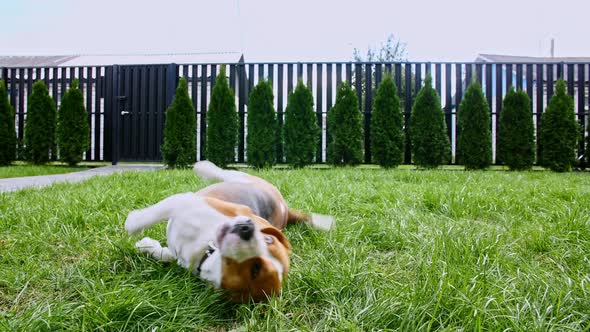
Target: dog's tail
x=317 y=221
x=209 y=171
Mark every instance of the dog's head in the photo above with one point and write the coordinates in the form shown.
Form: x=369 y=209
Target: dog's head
x=254 y=254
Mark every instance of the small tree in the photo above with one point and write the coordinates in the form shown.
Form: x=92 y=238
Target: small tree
x=387 y=136
x=7 y=132
x=179 y=149
x=475 y=138
x=40 y=125
x=559 y=131
x=222 y=123
x=262 y=125
x=301 y=130
x=345 y=131
x=73 y=132
x=428 y=131
x=516 y=143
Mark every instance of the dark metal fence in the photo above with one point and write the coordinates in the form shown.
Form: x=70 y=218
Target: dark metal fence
x=126 y=104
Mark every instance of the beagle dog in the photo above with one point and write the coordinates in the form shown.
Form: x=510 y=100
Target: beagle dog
x=228 y=233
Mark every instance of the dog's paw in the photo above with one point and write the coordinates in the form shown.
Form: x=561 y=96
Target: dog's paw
x=133 y=224
x=147 y=243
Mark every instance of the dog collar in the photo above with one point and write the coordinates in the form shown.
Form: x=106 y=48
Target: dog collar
x=210 y=250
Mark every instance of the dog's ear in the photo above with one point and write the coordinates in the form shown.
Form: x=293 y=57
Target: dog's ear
x=278 y=234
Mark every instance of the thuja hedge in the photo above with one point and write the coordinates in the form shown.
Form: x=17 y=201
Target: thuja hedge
x=73 y=132
x=559 y=131
x=387 y=135
x=222 y=123
x=7 y=132
x=262 y=126
x=345 y=131
x=475 y=138
x=428 y=130
x=40 y=125
x=301 y=131
x=180 y=130
x=516 y=143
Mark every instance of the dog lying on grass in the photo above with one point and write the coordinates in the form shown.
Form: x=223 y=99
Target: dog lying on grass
x=228 y=233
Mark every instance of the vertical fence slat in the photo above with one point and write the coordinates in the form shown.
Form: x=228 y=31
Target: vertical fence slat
x=338 y=74
x=271 y=73
x=398 y=79
x=519 y=76
x=319 y=114
x=488 y=90
x=459 y=97
x=570 y=79
x=368 y=102
x=378 y=75
x=468 y=74
x=438 y=76
x=449 y=99
x=289 y=79
x=309 y=73
x=581 y=110
x=88 y=79
x=358 y=70
x=529 y=83
x=21 y=103
x=204 y=111
x=143 y=111
x=299 y=72
x=328 y=101
x=408 y=110
x=540 y=105
x=499 y=100
x=109 y=81
x=479 y=73
x=349 y=74
x=260 y=72
x=549 y=70
x=280 y=93
x=418 y=78
x=96 y=86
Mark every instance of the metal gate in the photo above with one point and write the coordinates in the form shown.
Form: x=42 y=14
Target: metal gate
x=140 y=98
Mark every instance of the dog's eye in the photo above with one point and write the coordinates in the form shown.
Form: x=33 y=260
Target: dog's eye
x=255 y=270
x=269 y=239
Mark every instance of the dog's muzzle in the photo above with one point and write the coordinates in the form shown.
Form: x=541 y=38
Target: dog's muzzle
x=244 y=229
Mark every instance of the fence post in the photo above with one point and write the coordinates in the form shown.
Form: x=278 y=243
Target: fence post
x=5 y=76
x=115 y=114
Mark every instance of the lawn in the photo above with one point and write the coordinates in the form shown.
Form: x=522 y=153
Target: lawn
x=413 y=250
x=32 y=170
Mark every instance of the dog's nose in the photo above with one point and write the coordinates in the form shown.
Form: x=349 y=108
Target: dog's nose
x=245 y=229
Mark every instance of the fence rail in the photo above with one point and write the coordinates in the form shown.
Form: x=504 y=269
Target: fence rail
x=101 y=87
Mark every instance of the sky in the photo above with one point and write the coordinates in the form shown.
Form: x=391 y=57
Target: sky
x=297 y=30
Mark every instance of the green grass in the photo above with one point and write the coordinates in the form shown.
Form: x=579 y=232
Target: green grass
x=413 y=250
x=33 y=170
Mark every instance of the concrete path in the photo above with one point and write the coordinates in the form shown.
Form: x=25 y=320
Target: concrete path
x=13 y=184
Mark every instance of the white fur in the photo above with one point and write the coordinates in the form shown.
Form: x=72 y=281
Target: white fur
x=322 y=222
x=209 y=171
x=192 y=225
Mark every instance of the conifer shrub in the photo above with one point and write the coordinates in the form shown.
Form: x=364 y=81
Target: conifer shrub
x=73 y=132
x=516 y=142
x=428 y=130
x=222 y=123
x=40 y=125
x=179 y=149
x=475 y=138
x=387 y=135
x=345 y=131
x=301 y=131
x=559 y=131
x=7 y=131
x=262 y=126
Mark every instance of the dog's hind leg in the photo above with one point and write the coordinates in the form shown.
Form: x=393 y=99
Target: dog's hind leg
x=138 y=220
x=155 y=249
x=209 y=171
